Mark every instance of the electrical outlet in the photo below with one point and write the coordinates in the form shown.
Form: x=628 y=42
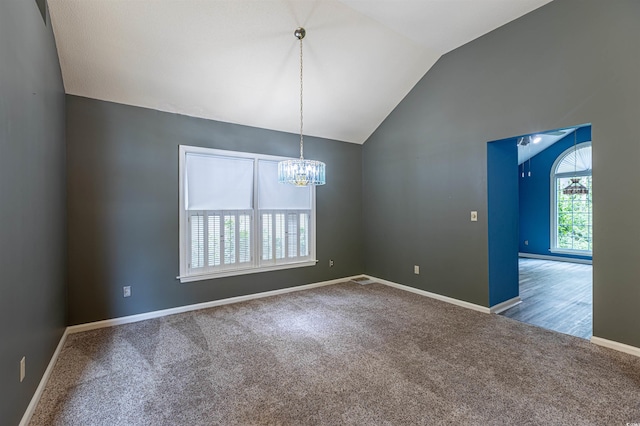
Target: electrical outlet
x=23 y=368
x=474 y=216
x=126 y=290
x=526 y=242
x=330 y=263
x=416 y=269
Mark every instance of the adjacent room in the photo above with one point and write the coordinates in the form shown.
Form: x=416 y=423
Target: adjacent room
x=555 y=197
x=543 y=257
x=310 y=212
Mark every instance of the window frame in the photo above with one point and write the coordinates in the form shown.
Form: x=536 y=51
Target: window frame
x=186 y=274
x=553 y=239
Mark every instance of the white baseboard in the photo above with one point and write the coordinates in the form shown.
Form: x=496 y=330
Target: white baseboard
x=156 y=314
x=26 y=418
x=31 y=408
x=440 y=297
x=501 y=307
x=621 y=347
x=556 y=258
x=162 y=313
x=616 y=346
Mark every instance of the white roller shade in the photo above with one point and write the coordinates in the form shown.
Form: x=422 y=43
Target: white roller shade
x=276 y=196
x=218 y=183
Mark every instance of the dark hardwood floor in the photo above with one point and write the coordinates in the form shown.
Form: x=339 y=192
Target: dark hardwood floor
x=556 y=296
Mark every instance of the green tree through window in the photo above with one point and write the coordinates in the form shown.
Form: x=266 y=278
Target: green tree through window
x=572 y=215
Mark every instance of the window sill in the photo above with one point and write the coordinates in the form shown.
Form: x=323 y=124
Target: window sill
x=235 y=272
x=572 y=252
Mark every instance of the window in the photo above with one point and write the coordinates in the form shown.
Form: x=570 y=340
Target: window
x=235 y=217
x=571 y=216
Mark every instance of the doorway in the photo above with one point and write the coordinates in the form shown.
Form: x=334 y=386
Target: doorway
x=540 y=229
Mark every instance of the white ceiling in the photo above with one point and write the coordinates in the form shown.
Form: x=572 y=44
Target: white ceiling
x=237 y=60
x=531 y=145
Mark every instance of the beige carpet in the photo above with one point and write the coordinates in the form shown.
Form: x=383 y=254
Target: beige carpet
x=342 y=354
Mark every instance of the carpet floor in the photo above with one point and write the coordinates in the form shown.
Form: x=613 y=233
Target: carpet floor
x=334 y=355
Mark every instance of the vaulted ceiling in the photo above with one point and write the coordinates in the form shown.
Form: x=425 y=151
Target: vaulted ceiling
x=237 y=60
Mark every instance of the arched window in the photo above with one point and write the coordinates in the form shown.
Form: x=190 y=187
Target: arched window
x=571 y=201
x=571 y=205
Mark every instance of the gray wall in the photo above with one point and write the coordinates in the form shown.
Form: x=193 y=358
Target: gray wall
x=32 y=203
x=569 y=62
x=123 y=208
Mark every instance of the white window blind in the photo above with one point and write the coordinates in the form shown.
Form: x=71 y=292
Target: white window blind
x=218 y=183
x=273 y=195
x=236 y=218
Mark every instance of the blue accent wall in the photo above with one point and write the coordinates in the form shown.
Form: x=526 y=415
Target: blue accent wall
x=535 y=197
x=502 y=192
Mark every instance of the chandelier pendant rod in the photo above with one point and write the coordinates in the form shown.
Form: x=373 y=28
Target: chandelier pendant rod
x=300 y=37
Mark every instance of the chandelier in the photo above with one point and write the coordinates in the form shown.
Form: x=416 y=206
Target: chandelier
x=301 y=172
x=575 y=187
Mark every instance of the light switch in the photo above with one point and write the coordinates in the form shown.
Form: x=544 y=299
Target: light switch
x=474 y=216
